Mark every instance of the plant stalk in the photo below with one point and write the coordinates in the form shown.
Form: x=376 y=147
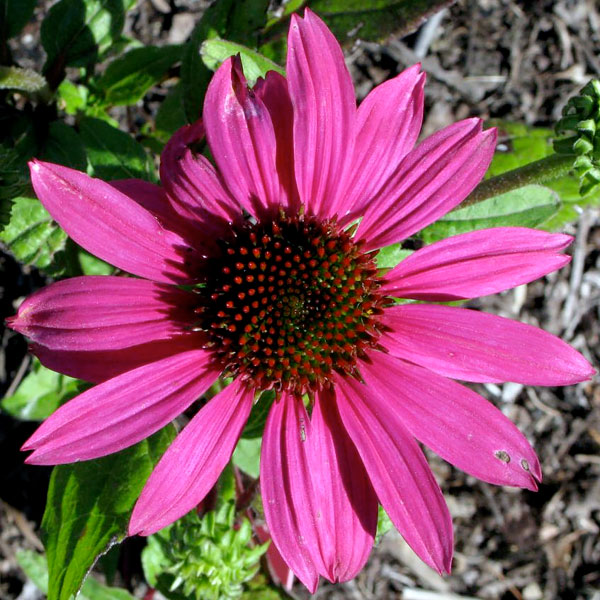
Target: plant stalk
x=539 y=171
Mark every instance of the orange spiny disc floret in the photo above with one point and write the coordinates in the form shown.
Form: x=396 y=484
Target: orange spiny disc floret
x=291 y=300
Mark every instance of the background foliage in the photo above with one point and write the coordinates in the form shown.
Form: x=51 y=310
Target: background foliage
x=74 y=112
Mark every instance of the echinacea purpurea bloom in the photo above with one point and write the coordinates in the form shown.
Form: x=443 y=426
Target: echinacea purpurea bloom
x=287 y=296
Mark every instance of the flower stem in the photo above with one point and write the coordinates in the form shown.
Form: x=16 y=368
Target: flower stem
x=539 y=171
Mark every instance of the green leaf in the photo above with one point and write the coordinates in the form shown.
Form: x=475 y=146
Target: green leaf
x=64 y=146
x=113 y=153
x=41 y=393
x=258 y=417
x=14 y=179
x=128 y=78
x=35 y=567
x=376 y=19
x=235 y=20
x=14 y=15
x=27 y=81
x=90 y=265
x=74 y=32
x=72 y=98
x=518 y=145
x=528 y=206
x=88 y=509
x=384 y=524
x=247 y=456
x=33 y=237
x=171 y=115
x=255 y=65
x=390 y=256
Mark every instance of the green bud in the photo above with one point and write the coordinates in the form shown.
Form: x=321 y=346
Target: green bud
x=581 y=121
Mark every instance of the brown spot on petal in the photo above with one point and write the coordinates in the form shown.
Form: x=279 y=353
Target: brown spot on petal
x=503 y=456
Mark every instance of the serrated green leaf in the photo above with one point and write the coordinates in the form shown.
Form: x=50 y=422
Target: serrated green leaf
x=128 y=78
x=64 y=146
x=154 y=558
x=528 y=206
x=258 y=417
x=74 y=32
x=255 y=65
x=14 y=15
x=27 y=81
x=41 y=393
x=113 y=153
x=35 y=567
x=88 y=509
x=247 y=456
x=33 y=237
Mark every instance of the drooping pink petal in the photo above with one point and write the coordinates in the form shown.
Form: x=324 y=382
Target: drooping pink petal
x=474 y=346
x=97 y=366
x=324 y=112
x=347 y=517
x=154 y=199
x=286 y=489
x=398 y=471
x=273 y=91
x=477 y=263
x=388 y=122
x=104 y=313
x=455 y=422
x=194 y=189
x=192 y=464
x=111 y=225
x=122 y=411
x=431 y=180
x=242 y=139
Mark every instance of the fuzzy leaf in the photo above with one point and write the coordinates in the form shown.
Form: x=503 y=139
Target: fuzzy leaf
x=22 y=80
x=113 y=153
x=255 y=65
x=528 y=206
x=33 y=237
x=41 y=393
x=128 y=78
x=88 y=509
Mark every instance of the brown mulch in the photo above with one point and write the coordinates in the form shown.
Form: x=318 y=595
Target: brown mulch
x=494 y=59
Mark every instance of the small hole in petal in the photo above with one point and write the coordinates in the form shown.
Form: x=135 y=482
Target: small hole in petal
x=525 y=464
x=503 y=456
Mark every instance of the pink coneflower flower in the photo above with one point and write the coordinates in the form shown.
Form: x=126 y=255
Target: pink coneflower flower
x=287 y=296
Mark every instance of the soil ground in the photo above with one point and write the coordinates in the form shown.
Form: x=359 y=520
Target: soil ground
x=489 y=58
